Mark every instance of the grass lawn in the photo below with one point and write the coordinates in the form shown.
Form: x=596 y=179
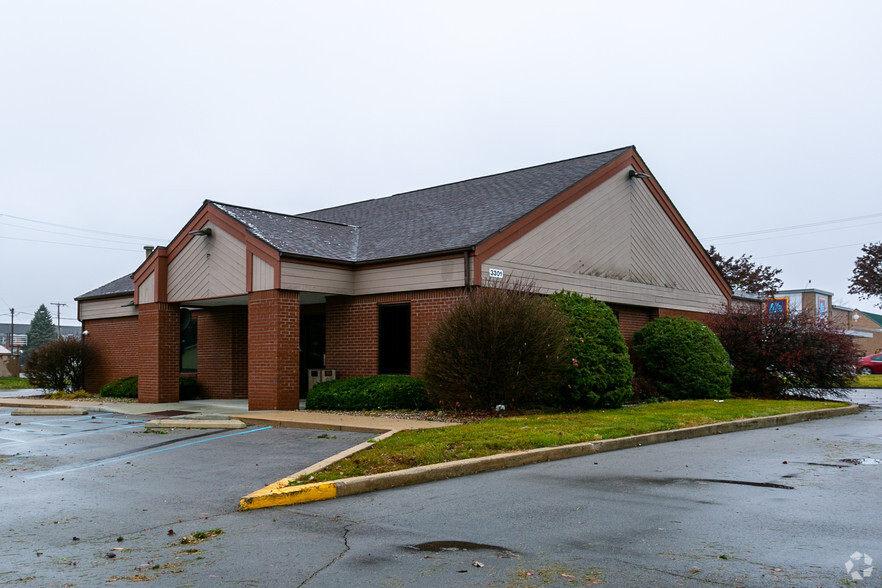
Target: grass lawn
x=14 y=383
x=499 y=435
x=873 y=381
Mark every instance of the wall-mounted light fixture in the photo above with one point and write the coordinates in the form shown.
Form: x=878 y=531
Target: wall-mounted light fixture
x=639 y=175
x=201 y=233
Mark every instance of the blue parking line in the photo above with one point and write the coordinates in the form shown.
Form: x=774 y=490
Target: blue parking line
x=62 y=426
x=145 y=454
x=23 y=430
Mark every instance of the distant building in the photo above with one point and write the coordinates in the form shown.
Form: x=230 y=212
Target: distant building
x=9 y=364
x=15 y=337
x=865 y=327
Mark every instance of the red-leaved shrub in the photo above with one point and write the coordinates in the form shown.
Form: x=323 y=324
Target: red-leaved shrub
x=779 y=355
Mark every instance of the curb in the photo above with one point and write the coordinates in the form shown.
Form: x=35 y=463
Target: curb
x=194 y=424
x=37 y=411
x=282 y=494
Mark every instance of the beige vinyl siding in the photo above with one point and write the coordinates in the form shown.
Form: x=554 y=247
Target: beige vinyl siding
x=610 y=290
x=616 y=244
x=147 y=290
x=107 y=308
x=262 y=274
x=445 y=273
x=208 y=267
x=314 y=278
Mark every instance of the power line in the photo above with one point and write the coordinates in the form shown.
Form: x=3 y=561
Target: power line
x=790 y=228
x=68 y=244
x=70 y=234
x=799 y=234
x=30 y=220
x=809 y=251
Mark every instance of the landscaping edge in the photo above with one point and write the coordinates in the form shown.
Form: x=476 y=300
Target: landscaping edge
x=281 y=493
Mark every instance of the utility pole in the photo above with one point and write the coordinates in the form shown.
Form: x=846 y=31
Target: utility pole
x=11 y=329
x=58 y=306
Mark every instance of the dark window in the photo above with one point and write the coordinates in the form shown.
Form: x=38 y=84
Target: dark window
x=394 y=339
x=188 y=341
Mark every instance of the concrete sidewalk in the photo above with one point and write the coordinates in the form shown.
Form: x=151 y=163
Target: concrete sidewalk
x=211 y=413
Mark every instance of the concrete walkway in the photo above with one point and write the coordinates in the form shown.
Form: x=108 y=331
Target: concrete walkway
x=211 y=413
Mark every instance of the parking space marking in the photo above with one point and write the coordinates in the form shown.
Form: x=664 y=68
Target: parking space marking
x=90 y=424
x=144 y=454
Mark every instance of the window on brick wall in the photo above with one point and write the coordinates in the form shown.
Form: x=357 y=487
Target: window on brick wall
x=394 y=339
x=188 y=341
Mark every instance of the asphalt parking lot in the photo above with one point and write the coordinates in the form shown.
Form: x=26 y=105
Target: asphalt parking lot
x=95 y=499
x=83 y=494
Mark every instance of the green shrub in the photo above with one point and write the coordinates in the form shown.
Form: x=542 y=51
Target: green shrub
x=498 y=346
x=683 y=359
x=377 y=392
x=122 y=388
x=600 y=371
x=128 y=388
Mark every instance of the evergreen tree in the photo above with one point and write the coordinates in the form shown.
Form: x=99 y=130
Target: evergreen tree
x=42 y=330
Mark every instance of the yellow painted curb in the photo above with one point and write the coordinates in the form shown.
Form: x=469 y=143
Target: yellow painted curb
x=282 y=493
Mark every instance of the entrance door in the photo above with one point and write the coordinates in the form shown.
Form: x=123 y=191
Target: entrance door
x=312 y=347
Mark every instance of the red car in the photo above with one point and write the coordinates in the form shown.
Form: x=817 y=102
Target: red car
x=871 y=364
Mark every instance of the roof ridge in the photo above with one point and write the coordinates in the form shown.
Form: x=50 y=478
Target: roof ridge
x=299 y=215
x=474 y=179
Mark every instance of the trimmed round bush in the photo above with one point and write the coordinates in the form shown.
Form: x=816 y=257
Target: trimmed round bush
x=122 y=388
x=372 y=393
x=600 y=371
x=683 y=359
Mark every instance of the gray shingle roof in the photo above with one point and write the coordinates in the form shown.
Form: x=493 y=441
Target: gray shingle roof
x=118 y=287
x=447 y=218
x=434 y=220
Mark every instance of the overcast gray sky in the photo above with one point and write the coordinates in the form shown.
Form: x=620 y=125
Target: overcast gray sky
x=117 y=119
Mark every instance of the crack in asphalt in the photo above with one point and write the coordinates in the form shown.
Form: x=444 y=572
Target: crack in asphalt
x=346 y=548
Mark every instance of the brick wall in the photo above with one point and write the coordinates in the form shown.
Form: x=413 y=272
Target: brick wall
x=116 y=353
x=632 y=319
x=702 y=317
x=273 y=350
x=222 y=352
x=159 y=352
x=352 y=328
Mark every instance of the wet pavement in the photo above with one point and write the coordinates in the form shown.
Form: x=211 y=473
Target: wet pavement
x=88 y=501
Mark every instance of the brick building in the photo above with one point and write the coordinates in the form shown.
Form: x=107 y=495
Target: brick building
x=262 y=298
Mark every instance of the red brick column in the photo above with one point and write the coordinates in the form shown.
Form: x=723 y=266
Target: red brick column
x=159 y=352
x=222 y=352
x=273 y=350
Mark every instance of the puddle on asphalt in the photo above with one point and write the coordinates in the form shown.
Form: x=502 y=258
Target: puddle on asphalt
x=745 y=483
x=862 y=461
x=438 y=546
